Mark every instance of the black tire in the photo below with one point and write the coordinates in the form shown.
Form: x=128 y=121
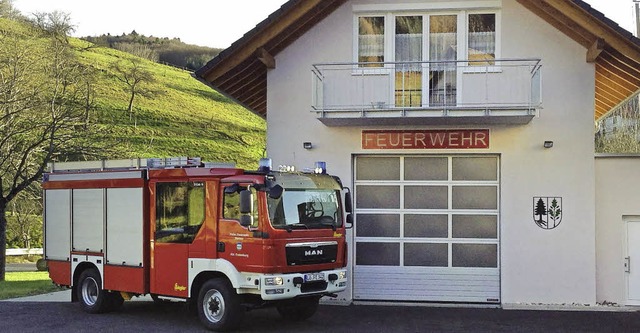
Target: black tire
x=219 y=307
x=299 y=309
x=90 y=294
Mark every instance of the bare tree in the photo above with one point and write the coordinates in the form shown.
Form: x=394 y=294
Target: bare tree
x=26 y=212
x=41 y=115
x=7 y=10
x=55 y=24
x=138 y=50
x=135 y=76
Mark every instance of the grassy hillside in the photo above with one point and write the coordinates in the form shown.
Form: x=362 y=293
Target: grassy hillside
x=183 y=117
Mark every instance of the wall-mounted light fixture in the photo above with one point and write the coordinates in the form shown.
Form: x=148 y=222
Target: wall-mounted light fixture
x=548 y=144
x=307 y=145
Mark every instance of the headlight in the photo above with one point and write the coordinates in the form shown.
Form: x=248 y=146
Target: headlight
x=342 y=275
x=273 y=281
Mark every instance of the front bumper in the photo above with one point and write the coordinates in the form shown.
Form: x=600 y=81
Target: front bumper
x=287 y=286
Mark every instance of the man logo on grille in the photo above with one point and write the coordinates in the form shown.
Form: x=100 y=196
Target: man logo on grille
x=547 y=211
x=313 y=253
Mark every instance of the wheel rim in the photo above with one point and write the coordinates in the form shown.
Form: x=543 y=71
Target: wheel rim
x=89 y=291
x=213 y=305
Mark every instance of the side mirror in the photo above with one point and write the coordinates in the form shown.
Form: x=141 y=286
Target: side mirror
x=276 y=192
x=246 y=220
x=348 y=207
x=349 y=222
x=245 y=202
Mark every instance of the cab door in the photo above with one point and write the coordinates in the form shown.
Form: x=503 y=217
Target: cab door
x=241 y=245
x=177 y=215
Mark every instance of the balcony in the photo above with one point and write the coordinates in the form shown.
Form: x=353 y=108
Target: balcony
x=506 y=91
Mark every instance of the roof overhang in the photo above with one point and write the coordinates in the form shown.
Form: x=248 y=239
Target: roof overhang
x=240 y=71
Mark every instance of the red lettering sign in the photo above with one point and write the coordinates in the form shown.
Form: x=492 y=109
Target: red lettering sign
x=427 y=139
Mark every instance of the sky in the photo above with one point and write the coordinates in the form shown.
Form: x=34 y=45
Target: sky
x=213 y=23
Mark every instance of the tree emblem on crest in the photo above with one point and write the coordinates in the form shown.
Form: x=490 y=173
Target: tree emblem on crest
x=547 y=211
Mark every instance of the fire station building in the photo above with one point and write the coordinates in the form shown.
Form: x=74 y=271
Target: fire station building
x=465 y=131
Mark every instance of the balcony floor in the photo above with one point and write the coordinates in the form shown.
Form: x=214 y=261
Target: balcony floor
x=390 y=117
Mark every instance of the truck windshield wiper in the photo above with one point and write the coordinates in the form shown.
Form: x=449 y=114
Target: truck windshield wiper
x=290 y=227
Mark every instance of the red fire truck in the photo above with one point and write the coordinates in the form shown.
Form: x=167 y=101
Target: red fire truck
x=221 y=238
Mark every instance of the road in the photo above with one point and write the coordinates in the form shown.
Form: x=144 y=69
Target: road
x=27 y=267
x=151 y=317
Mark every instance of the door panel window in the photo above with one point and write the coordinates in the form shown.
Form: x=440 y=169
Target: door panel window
x=426 y=197
x=474 y=255
x=378 y=168
x=475 y=226
x=380 y=254
x=381 y=197
x=425 y=254
x=475 y=168
x=378 y=225
x=180 y=211
x=426 y=225
x=475 y=197
x=425 y=168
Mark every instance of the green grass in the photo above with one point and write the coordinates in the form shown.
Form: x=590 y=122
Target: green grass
x=19 y=284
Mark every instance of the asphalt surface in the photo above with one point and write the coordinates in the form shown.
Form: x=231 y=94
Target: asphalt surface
x=55 y=313
x=29 y=316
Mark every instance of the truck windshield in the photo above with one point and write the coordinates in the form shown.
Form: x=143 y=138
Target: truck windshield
x=305 y=209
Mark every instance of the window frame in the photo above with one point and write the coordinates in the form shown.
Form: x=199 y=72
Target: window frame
x=389 y=36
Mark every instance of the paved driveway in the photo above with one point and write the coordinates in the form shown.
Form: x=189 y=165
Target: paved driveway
x=22 y=316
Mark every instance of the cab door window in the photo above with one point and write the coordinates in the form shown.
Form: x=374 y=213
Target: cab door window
x=231 y=206
x=180 y=211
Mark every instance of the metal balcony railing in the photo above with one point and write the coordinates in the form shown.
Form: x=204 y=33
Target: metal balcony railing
x=495 y=87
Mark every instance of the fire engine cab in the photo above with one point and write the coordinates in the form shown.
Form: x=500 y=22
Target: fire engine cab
x=221 y=238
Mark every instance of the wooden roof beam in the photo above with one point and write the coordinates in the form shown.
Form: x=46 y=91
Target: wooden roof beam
x=598 y=28
x=266 y=58
x=271 y=30
x=594 y=50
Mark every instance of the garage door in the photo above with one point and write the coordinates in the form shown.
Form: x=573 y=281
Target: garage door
x=427 y=228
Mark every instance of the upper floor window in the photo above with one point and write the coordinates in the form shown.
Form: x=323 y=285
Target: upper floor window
x=481 y=50
x=371 y=41
x=180 y=211
x=428 y=37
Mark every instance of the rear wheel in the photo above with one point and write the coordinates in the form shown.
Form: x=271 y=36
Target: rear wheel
x=299 y=309
x=219 y=306
x=92 y=298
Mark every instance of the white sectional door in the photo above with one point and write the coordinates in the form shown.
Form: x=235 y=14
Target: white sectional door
x=427 y=228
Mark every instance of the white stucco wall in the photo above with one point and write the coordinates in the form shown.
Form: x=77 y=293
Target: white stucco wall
x=617 y=199
x=537 y=266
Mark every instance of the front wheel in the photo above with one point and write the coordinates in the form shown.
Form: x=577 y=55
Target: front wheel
x=299 y=309
x=219 y=307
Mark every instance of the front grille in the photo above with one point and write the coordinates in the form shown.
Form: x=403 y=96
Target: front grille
x=311 y=253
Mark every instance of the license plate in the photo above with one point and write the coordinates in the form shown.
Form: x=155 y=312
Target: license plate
x=309 y=277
